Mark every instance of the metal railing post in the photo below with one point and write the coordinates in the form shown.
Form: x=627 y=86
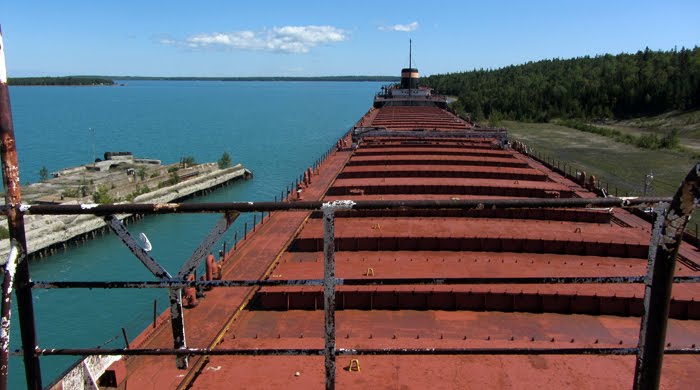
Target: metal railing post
x=15 y=220
x=671 y=220
x=329 y=283
x=329 y=294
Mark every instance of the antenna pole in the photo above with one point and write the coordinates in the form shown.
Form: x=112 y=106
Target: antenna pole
x=410 y=64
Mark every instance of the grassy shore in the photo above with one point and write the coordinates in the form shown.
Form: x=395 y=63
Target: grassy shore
x=687 y=123
x=621 y=165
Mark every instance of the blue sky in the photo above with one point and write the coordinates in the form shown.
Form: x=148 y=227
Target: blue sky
x=297 y=38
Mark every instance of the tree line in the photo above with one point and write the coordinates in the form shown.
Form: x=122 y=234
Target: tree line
x=69 y=80
x=606 y=86
x=264 y=78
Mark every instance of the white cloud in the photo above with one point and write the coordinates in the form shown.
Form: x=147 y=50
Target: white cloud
x=289 y=39
x=400 y=27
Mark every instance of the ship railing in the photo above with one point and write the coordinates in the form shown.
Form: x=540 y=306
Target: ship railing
x=651 y=348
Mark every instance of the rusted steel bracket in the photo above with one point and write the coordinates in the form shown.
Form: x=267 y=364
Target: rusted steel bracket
x=177 y=319
x=120 y=230
x=205 y=247
x=175 y=293
x=666 y=240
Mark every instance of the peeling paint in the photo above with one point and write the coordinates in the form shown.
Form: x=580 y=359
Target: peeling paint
x=674 y=222
x=337 y=205
x=626 y=200
x=166 y=206
x=88 y=206
x=10 y=269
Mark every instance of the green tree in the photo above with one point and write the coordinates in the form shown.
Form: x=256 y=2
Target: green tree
x=174 y=178
x=102 y=195
x=142 y=173
x=224 y=161
x=43 y=174
x=188 y=161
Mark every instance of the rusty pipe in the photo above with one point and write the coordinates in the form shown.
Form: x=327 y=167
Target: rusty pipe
x=15 y=220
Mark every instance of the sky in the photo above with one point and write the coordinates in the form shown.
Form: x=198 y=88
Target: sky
x=326 y=38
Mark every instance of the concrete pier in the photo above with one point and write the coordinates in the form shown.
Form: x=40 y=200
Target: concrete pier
x=48 y=234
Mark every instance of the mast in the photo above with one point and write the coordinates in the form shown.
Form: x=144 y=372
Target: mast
x=410 y=63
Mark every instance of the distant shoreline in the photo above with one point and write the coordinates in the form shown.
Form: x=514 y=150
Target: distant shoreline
x=263 y=78
x=60 y=81
x=110 y=80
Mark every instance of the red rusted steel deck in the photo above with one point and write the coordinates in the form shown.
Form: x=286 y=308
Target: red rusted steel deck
x=484 y=243
x=416 y=117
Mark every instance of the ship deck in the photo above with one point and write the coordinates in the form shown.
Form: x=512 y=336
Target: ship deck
x=486 y=243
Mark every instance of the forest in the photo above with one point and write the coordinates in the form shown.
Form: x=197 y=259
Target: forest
x=69 y=80
x=602 y=87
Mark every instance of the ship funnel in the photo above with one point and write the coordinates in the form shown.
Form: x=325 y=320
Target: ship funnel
x=409 y=78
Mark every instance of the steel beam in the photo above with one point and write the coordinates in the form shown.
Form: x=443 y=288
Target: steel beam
x=177 y=321
x=218 y=208
x=349 y=351
x=120 y=230
x=329 y=280
x=666 y=239
x=15 y=220
x=354 y=282
x=329 y=295
x=177 y=318
x=205 y=247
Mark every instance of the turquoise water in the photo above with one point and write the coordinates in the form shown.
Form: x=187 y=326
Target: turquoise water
x=276 y=129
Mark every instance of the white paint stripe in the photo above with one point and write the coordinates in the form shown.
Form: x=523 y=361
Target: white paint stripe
x=3 y=69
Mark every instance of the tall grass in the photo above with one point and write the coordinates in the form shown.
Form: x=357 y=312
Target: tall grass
x=670 y=140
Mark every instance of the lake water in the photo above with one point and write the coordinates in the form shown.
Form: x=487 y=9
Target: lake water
x=276 y=129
